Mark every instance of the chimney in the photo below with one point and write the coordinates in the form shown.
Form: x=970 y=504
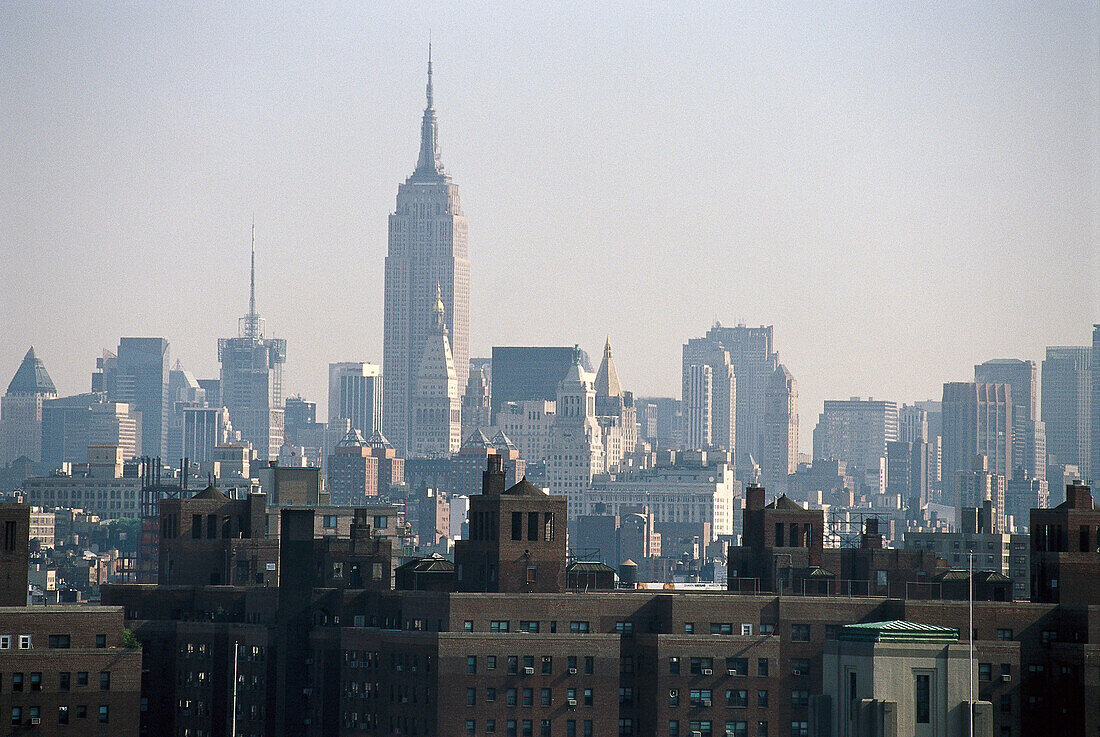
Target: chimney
x=1079 y=496
x=492 y=480
x=871 y=537
x=969 y=521
x=754 y=497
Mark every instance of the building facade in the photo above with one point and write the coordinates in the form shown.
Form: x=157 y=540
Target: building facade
x=1065 y=407
x=355 y=393
x=1029 y=451
x=138 y=376
x=427 y=256
x=21 y=410
x=977 y=420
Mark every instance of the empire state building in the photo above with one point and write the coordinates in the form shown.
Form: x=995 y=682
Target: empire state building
x=427 y=256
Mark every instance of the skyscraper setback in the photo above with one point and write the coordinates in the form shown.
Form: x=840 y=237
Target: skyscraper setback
x=427 y=251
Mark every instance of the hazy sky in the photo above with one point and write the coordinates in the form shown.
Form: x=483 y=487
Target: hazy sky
x=902 y=190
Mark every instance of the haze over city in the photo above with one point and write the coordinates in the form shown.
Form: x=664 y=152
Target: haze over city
x=902 y=192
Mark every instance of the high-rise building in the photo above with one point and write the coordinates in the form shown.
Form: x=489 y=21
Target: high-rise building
x=1029 y=451
x=754 y=360
x=435 y=428
x=1065 y=406
x=780 y=458
x=475 y=403
x=615 y=412
x=202 y=429
x=252 y=378
x=907 y=473
x=912 y=424
x=660 y=421
x=299 y=417
x=709 y=396
x=856 y=431
x=138 y=375
x=21 y=410
x=529 y=424
x=977 y=420
x=576 y=441
x=531 y=373
x=1094 y=402
x=184 y=391
x=427 y=257
x=355 y=393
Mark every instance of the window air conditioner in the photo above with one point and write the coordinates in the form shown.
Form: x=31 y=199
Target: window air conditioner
x=1006 y=677
x=572 y=671
x=529 y=671
x=706 y=702
x=571 y=702
x=731 y=672
x=36 y=720
x=708 y=672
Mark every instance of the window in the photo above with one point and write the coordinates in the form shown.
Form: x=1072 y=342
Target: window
x=381 y=522
x=16 y=681
x=737 y=698
x=529 y=662
x=471 y=726
x=800 y=729
x=578 y=628
x=105 y=680
x=517 y=525
x=761 y=729
x=468 y=625
x=511 y=697
x=82 y=712
x=985 y=671
x=528 y=728
x=24 y=642
x=1004 y=634
x=471 y=664
x=490 y=695
x=699 y=665
x=737 y=729
x=512 y=728
x=800 y=633
x=491 y=662
x=699 y=697
x=471 y=697
x=721 y=628
x=1048 y=636
x=767 y=629
x=63 y=680
x=626 y=696
x=532 y=573
x=746 y=629
x=571 y=728
x=589 y=665
x=59 y=641
x=547 y=665
x=674 y=697
x=499 y=625
x=528 y=625
x=624 y=628
x=62 y=715
x=528 y=697
x=82 y=678
x=16 y=715
x=587 y=727
x=1006 y=703
x=328 y=521
x=737 y=666
x=923 y=698
x=36 y=681
x=674 y=666
x=490 y=726
x=762 y=699
x=800 y=698
x=588 y=697
x=800 y=667
x=704 y=728
x=689 y=628
x=762 y=667
x=674 y=728
x=104 y=714
x=571 y=663
x=513 y=664
x=544 y=697
x=626 y=727
x=544 y=728
x=5 y=642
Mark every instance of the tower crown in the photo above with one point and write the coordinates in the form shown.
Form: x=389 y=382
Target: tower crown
x=429 y=166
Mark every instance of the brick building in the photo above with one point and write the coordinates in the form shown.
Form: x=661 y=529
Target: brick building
x=1065 y=550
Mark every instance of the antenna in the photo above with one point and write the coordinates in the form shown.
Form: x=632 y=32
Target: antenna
x=429 y=69
x=252 y=282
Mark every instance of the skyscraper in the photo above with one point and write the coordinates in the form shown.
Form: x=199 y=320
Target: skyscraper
x=475 y=403
x=856 y=431
x=435 y=428
x=138 y=376
x=530 y=373
x=709 y=396
x=355 y=393
x=21 y=410
x=780 y=431
x=427 y=249
x=1065 y=406
x=252 y=378
x=977 y=420
x=1028 y=432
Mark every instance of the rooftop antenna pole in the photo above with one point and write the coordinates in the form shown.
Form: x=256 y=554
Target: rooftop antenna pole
x=970 y=675
x=252 y=282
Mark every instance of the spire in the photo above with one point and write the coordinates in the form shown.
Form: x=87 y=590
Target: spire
x=439 y=310
x=31 y=377
x=429 y=166
x=607 y=378
x=252 y=325
x=252 y=280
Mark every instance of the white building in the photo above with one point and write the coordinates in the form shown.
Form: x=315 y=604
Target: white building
x=576 y=441
x=530 y=425
x=355 y=393
x=436 y=429
x=100 y=489
x=21 y=410
x=690 y=487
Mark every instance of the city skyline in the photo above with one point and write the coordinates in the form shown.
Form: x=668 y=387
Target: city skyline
x=895 y=226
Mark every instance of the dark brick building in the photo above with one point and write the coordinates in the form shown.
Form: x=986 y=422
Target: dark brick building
x=1065 y=550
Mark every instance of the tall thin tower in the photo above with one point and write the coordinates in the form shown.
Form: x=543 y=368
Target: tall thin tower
x=427 y=246
x=252 y=377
